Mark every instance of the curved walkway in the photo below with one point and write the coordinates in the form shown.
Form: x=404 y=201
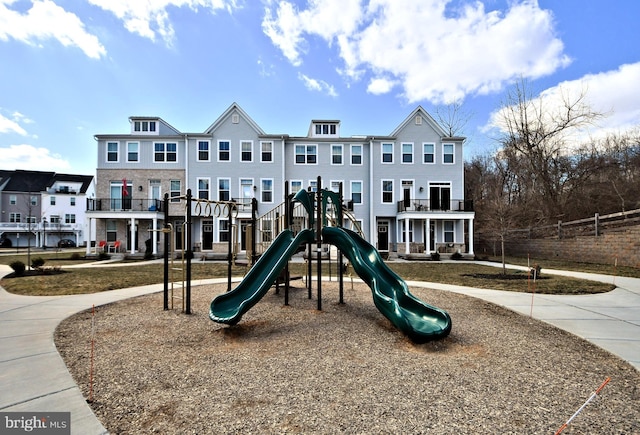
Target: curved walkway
x=34 y=378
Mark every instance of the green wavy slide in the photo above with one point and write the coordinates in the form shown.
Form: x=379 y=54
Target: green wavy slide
x=231 y=306
x=419 y=321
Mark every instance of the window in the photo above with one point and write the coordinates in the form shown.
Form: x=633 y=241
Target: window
x=223 y=226
x=14 y=218
x=387 y=191
x=267 y=151
x=70 y=218
x=356 y=154
x=112 y=231
x=33 y=200
x=224 y=150
x=203 y=188
x=428 y=152
x=72 y=201
x=334 y=186
x=296 y=186
x=133 y=149
x=144 y=126
x=52 y=200
x=447 y=153
x=407 y=153
x=246 y=148
x=325 y=129
x=13 y=199
x=356 y=192
x=54 y=219
x=387 y=153
x=336 y=154
x=224 y=189
x=174 y=190
x=448 y=232
x=313 y=185
x=31 y=219
x=203 y=150
x=165 y=152
x=267 y=190
x=267 y=230
x=112 y=151
x=403 y=227
x=306 y=154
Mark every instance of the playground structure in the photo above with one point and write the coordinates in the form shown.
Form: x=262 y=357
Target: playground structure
x=321 y=224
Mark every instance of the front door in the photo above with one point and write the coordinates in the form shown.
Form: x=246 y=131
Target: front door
x=383 y=236
x=244 y=224
x=207 y=235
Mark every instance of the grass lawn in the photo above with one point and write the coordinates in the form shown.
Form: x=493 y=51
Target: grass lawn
x=97 y=279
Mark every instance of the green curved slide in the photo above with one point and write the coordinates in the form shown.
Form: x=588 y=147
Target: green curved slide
x=230 y=307
x=418 y=320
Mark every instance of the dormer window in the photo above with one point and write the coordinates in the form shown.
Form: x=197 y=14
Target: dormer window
x=325 y=128
x=148 y=127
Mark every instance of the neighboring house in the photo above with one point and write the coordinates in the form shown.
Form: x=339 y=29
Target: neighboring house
x=41 y=208
x=406 y=189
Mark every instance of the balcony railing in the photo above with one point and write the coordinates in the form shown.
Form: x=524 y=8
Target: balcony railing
x=424 y=205
x=124 y=204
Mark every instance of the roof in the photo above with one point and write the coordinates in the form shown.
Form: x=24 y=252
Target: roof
x=38 y=181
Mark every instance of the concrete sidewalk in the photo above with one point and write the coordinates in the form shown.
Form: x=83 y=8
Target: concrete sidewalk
x=34 y=378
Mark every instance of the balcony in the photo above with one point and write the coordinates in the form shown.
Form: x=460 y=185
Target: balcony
x=427 y=205
x=124 y=204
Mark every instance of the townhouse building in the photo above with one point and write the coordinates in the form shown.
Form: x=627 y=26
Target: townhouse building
x=405 y=189
x=39 y=209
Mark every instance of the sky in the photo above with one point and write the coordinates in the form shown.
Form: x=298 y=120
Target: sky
x=71 y=69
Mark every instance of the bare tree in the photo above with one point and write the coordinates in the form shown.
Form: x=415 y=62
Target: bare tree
x=538 y=131
x=453 y=117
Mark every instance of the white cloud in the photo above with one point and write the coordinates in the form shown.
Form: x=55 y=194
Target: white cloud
x=317 y=85
x=26 y=156
x=380 y=86
x=433 y=53
x=150 y=18
x=612 y=93
x=12 y=125
x=46 y=20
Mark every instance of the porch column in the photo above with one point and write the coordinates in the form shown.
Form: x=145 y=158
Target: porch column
x=471 y=237
x=88 y=249
x=133 y=235
x=154 y=237
x=427 y=232
x=407 y=248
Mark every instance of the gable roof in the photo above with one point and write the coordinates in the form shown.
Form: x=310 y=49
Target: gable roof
x=227 y=113
x=425 y=116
